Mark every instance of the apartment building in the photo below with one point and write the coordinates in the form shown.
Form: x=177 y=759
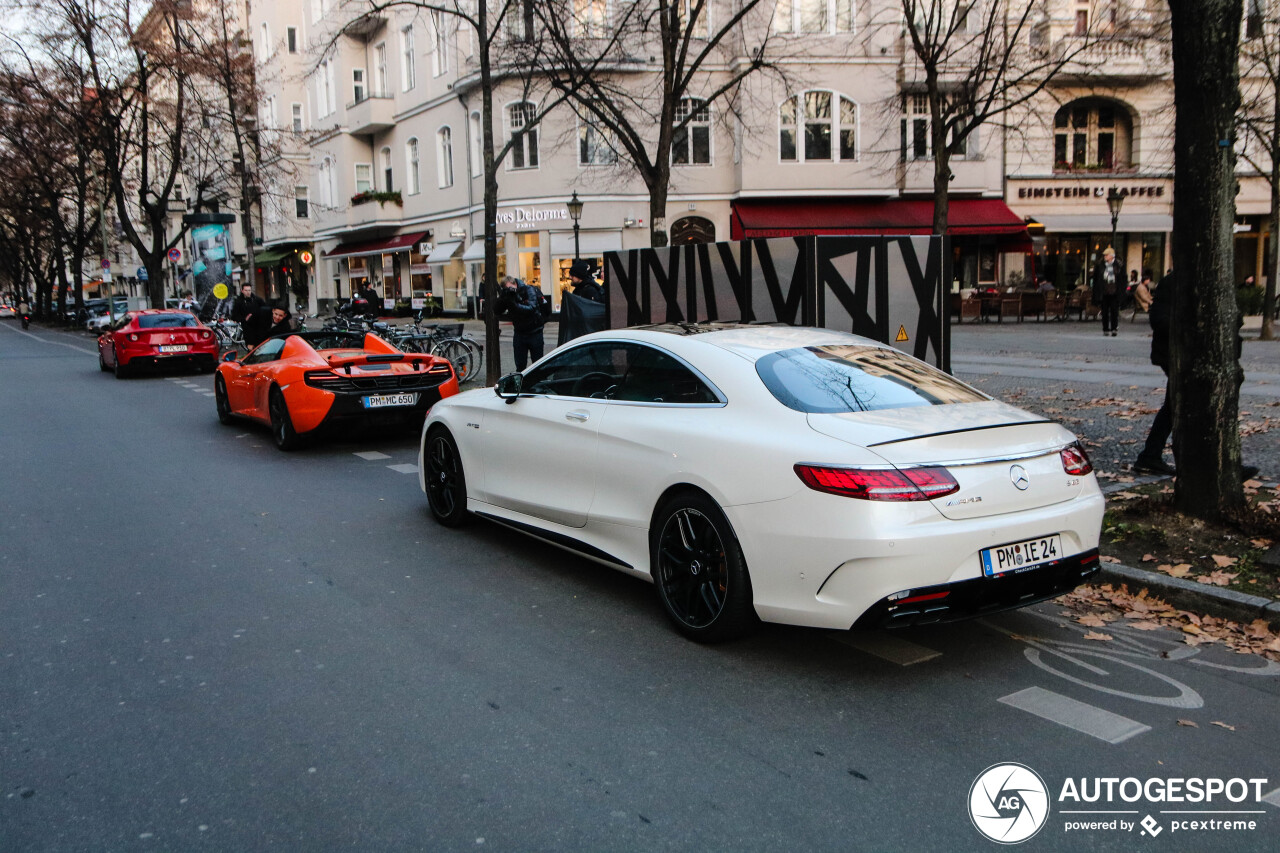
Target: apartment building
x=387 y=185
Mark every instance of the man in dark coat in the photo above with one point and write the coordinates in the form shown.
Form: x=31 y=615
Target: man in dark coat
x=1151 y=457
x=266 y=323
x=1108 y=288
x=522 y=305
x=245 y=304
x=584 y=284
x=581 y=304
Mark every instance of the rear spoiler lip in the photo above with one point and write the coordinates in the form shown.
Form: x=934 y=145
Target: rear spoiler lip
x=966 y=429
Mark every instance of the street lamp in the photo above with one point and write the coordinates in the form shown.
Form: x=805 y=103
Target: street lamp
x=575 y=213
x=1115 y=201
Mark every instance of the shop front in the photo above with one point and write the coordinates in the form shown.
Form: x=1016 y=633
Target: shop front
x=385 y=265
x=539 y=241
x=983 y=231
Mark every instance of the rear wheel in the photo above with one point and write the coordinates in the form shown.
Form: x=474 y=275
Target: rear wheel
x=122 y=372
x=445 y=481
x=281 y=424
x=699 y=571
x=102 y=365
x=220 y=399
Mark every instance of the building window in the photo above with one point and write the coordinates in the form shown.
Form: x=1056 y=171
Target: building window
x=297 y=118
x=1082 y=22
x=476 y=147
x=691 y=145
x=524 y=136
x=364 y=178
x=444 y=156
x=1091 y=135
x=590 y=18
x=326 y=182
x=595 y=147
x=385 y=157
x=519 y=20
x=816 y=126
x=357 y=84
x=325 y=105
x=411 y=159
x=440 y=52
x=1253 y=19
x=814 y=16
x=701 y=27
x=266 y=41
x=291 y=37
x=408 y=75
x=300 y=203
x=381 y=89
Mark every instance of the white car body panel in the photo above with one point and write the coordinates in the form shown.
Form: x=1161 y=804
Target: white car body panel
x=814 y=559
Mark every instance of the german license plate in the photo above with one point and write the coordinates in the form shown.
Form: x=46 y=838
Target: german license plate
x=1021 y=555
x=381 y=401
x=173 y=348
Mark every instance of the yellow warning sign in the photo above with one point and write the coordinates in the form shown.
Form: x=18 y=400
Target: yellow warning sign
x=902 y=334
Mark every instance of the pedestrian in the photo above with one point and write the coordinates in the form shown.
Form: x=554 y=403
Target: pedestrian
x=1108 y=282
x=369 y=295
x=522 y=305
x=1142 y=294
x=583 y=283
x=1151 y=458
x=266 y=322
x=581 y=304
x=245 y=304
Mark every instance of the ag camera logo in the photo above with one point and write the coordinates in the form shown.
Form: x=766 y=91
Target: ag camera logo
x=1008 y=803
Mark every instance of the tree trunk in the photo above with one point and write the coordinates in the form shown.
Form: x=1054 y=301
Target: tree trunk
x=1204 y=380
x=658 y=226
x=489 y=284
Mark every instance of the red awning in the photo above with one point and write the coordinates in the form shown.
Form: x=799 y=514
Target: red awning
x=802 y=217
x=376 y=247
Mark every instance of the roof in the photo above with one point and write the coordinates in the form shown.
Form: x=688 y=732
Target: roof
x=748 y=341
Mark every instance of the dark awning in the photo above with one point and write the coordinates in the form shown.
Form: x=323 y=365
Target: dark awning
x=403 y=243
x=802 y=217
x=270 y=257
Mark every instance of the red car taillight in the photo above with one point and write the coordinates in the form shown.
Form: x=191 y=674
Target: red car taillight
x=1075 y=460
x=879 y=484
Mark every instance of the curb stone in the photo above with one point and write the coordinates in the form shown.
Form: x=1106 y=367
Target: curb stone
x=1191 y=595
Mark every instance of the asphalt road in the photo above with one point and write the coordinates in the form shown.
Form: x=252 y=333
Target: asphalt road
x=209 y=644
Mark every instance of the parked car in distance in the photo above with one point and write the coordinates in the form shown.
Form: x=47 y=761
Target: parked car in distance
x=310 y=382
x=801 y=476
x=96 y=315
x=157 y=338
x=7 y=312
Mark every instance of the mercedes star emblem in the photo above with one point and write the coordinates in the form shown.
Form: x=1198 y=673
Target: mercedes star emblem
x=1018 y=475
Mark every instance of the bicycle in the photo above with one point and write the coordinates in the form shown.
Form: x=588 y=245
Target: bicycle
x=229 y=334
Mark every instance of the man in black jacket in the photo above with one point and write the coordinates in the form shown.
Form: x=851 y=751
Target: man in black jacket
x=266 y=323
x=1108 y=288
x=1151 y=458
x=245 y=304
x=522 y=305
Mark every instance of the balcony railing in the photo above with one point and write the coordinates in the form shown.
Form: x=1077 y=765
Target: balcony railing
x=371 y=114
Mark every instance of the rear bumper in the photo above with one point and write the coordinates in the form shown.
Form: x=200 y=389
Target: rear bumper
x=153 y=359
x=980 y=596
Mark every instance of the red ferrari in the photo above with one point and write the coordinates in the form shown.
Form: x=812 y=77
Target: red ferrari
x=308 y=382
x=157 y=338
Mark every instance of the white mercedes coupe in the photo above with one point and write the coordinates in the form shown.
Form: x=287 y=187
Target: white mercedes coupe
x=792 y=475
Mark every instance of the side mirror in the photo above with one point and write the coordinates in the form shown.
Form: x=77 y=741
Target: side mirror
x=231 y=356
x=508 y=387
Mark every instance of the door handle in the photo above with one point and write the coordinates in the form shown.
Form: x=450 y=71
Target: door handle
x=577 y=416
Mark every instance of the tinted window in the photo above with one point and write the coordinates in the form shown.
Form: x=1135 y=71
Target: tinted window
x=584 y=371
x=857 y=379
x=618 y=371
x=268 y=350
x=166 y=321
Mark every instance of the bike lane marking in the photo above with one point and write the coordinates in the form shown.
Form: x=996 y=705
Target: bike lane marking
x=371 y=455
x=404 y=468
x=893 y=649
x=1074 y=714
x=1273 y=798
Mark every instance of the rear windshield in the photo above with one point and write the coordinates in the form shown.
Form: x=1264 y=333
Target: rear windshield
x=166 y=321
x=835 y=379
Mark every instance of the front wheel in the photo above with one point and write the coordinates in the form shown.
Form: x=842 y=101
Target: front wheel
x=281 y=424
x=699 y=571
x=444 y=479
x=221 y=401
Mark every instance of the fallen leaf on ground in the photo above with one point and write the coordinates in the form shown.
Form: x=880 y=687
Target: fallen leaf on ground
x=1253 y=484
x=1106 y=559
x=1126 y=495
x=1178 y=571
x=1192 y=629
x=1189 y=723
x=1261 y=543
x=1094 y=635
x=1145 y=625
x=1259 y=629
x=1223 y=725
x=1218 y=578
x=1092 y=620
x=1148 y=558
x=1222 y=561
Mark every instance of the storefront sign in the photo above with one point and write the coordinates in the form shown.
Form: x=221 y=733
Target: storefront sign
x=1059 y=191
x=531 y=217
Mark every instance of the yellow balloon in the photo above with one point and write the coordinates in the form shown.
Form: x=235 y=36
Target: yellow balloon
x=220 y=290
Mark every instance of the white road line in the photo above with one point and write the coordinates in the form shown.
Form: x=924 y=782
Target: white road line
x=1273 y=797
x=1080 y=716
x=371 y=455
x=210 y=394
x=404 y=468
x=886 y=647
x=55 y=343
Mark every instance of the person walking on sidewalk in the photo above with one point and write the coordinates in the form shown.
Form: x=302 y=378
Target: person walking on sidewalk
x=1108 y=287
x=522 y=305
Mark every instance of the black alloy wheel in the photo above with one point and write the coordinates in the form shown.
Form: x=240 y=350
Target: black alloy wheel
x=699 y=570
x=122 y=372
x=444 y=479
x=221 y=401
x=281 y=424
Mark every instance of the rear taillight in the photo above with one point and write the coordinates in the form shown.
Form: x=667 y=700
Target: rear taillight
x=1075 y=460
x=880 y=484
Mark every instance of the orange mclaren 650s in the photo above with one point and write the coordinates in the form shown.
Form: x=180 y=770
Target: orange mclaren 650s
x=311 y=382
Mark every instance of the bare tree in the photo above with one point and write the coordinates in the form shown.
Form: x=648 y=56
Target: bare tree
x=646 y=74
x=1258 y=125
x=974 y=64
x=1205 y=373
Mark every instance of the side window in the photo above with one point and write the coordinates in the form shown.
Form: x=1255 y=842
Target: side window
x=591 y=370
x=268 y=351
x=655 y=377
